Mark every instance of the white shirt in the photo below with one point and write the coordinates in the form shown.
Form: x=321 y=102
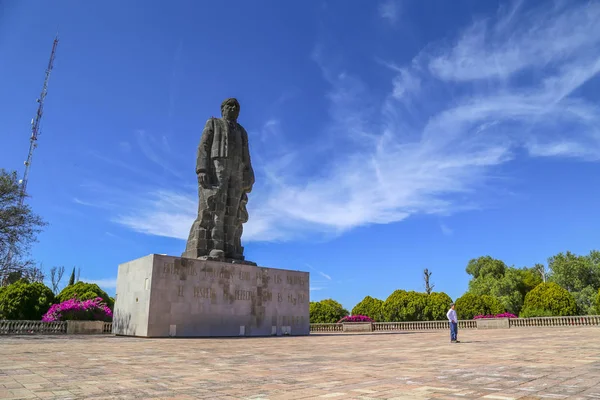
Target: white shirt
x=451 y=315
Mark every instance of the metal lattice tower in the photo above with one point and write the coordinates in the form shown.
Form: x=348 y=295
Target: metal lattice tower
x=35 y=124
x=35 y=132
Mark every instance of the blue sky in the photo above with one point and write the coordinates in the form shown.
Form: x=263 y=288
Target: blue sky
x=387 y=137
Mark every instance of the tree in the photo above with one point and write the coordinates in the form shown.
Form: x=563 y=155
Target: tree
x=426 y=276
x=405 y=306
x=371 y=307
x=56 y=275
x=470 y=305
x=72 y=278
x=437 y=306
x=19 y=227
x=326 y=311
x=508 y=284
x=548 y=299
x=580 y=275
x=85 y=291
x=23 y=300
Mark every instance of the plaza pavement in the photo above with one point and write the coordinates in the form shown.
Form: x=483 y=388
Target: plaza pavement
x=525 y=363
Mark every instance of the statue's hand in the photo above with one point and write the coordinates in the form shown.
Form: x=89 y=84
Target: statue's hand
x=203 y=180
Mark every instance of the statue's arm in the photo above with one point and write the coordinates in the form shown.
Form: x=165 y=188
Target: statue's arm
x=248 y=171
x=204 y=149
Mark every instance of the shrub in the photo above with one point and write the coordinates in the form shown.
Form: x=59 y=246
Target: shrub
x=355 y=318
x=437 y=305
x=405 y=306
x=534 y=312
x=85 y=291
x=549 y=298
x=326 y=311
x=82 y=310
x=585 y=301
x=370 y=307
x=25 y=301
x=598 y=303
x=503 y=315
x=470 y=305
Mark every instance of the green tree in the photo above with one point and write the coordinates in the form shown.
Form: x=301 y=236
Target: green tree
x=72 y=278
x=470 y=305
x=25 y=301
x=19 y=227
x=405 y=306
x=508 y=284
x=549 y=298
x=574 y=272
x=585 y=301
x=437 y=305
x=371 y=307
x=85 y=291
x=598 y=303
x=326 y=311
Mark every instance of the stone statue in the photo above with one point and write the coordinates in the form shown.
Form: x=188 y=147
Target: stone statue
x=225 y=177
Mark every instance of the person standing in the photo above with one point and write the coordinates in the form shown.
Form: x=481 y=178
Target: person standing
x=453 y=319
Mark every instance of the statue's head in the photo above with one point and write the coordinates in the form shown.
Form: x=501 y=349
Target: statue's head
x=230 y=109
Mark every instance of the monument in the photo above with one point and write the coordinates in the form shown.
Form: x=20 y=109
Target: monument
x=211 y=290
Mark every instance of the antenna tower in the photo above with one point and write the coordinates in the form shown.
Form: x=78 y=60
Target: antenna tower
x=35 y=132
x=35 y=124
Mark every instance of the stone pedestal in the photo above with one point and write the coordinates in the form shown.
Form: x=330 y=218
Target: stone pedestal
x=493 y=323
x=358 y=327
x=162 y=296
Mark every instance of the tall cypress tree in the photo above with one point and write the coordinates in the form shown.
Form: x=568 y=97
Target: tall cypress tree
x=72 y=278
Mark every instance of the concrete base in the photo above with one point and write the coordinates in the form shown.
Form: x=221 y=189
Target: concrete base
x=492 y=323
x=89 y=327
x=358 y=327
x=164 y=296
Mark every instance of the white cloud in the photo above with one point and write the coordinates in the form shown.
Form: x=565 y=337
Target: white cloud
x=384 y=158
x=389 y=10
x=103 y=283
x=446 y=230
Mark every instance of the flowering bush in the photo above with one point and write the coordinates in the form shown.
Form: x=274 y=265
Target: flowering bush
x=73 y=309
x=503 y=315
x=355 y=318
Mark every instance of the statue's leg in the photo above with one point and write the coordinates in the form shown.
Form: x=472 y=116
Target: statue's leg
x=197 y=243
x=234 y=195
x=222 y=174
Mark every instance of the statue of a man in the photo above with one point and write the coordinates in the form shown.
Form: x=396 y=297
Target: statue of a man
x=225 y=177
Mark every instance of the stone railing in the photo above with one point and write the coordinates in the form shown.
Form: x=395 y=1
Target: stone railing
x=421 y=325
x=8 y=327
x=584 y=320
x=29 y=327
x=326 y=327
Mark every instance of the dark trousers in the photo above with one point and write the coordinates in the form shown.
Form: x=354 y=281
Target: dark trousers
x=453 y=330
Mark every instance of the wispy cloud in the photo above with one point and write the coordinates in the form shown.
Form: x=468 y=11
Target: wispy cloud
x=103 y=283
x=389 y=10
x=451 y=115
x=323 y=274
x=446 y=230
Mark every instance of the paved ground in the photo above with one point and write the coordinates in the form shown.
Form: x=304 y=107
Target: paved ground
x=526 y=363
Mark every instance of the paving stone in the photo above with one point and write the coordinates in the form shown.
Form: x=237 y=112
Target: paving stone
x=525 y=363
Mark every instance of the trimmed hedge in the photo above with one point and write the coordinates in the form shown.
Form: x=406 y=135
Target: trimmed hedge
x=405 y=306
x=85 y=291
x=548 y=299
x=25 y=301
x=470 y=305
x=326 y=311
x=371 y=307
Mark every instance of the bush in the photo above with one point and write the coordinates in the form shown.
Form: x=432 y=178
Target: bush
x=86 y=310
x=551 y=299
x=25 y=301
x=437 y=305
x=585 y=301
x=370 y=307
x=470 y=305
x=355 y=318
x=326 y=312
x=598 y=303
x=85 y=291
x=405 y=306
x=534 y=312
